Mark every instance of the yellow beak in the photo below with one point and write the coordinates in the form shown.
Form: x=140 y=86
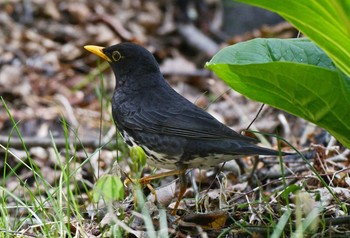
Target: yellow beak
x=97 y=50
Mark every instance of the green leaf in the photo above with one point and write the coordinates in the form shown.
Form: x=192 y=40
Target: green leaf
x=325 y=22
x=138 y=156
x=289 y=190
x=293 y=75
x=110 y=188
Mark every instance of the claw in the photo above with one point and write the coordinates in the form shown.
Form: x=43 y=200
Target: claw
x=147 y=179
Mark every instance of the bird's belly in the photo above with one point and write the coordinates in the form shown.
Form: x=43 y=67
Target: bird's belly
x=208 y=161
x=164 y=161
x=160 y=160
x=154 y=158
x=172 y=161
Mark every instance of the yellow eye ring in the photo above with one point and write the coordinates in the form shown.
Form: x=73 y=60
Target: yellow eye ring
x=116 y=56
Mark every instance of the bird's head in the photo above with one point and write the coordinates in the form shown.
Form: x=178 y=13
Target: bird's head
x=127 y=59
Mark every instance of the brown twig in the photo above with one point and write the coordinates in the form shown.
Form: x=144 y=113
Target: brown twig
x=46 y=142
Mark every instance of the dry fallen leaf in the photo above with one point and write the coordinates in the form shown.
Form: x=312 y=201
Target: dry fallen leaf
x=215 y=220
x=164 y=194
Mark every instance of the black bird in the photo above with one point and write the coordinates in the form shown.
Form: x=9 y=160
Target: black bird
x=174 y=133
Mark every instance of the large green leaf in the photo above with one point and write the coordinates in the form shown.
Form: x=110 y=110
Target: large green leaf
x=325 y=22
x=293 y=75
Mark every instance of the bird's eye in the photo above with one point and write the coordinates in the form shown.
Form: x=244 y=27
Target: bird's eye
x=116 y=56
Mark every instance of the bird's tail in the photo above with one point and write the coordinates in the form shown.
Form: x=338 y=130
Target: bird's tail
x=252 y=149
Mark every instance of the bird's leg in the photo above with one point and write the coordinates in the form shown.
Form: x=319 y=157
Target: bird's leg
x=252 y=174
x=183 y=186
x=147 y=179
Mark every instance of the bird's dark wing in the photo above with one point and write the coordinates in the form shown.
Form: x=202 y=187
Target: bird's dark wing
x=190 y=122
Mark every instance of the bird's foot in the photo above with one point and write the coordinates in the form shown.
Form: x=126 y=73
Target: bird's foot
x=145 y=181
